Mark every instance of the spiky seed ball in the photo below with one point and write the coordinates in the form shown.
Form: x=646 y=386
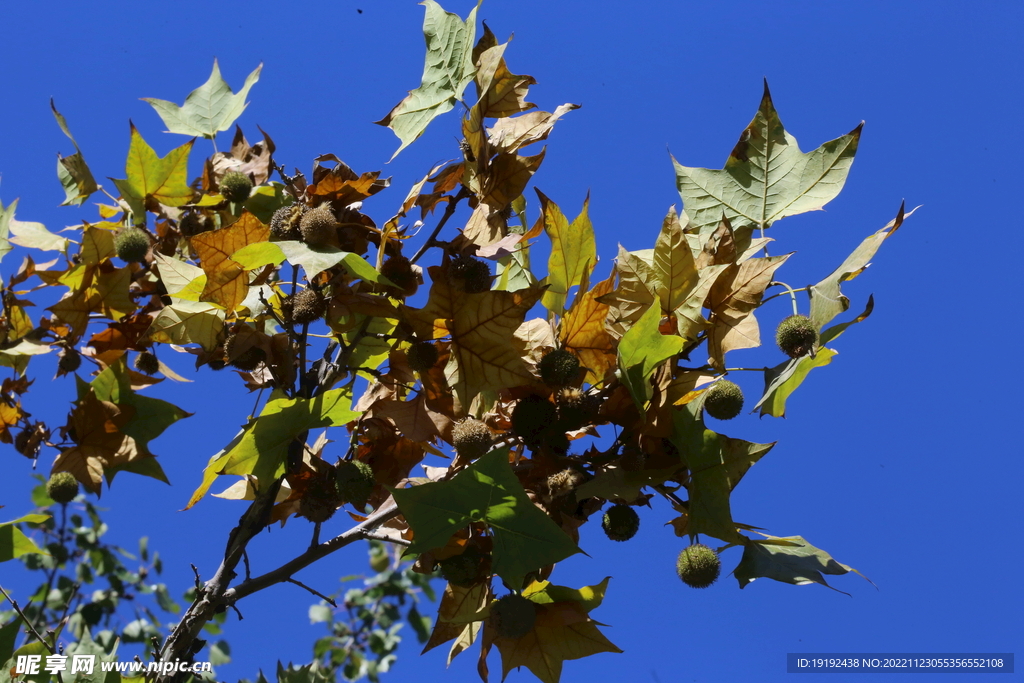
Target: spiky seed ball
x=724 y=400
x=633 y=459
x=472 y=438
x=532 y=417
x=470 y=274
x=22 y=443
x=565 y=482
x=422 y=356
x=575 y=408
x=513 y=616
x=558 y=368
x=318 y=226
x=620 y=523
x=69 y=361
x=321 y=499
x=355 y=481
x=399 y=270
x=557 y=441
x=698 y=566
x=235 y=186
x=796 y=336
x=131 y=244
x=62 y=487
x=216 y=364
x=464 y=569
x=146 y=362
x=247 y=360
x=308 y=305
x=194 y=223
x=284 y=224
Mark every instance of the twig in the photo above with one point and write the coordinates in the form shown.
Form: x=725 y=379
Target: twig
x=448 y=212
x=28 y=624
x=370 y=535
x=315 y=592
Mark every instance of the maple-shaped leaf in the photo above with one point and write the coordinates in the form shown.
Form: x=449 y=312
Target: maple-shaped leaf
x=827 y=301
x=446 y=73
x=13 y=544
x=512 y=134
x=716 y=463
x=641 y=350
x=484 y=354
x=99 y=441
x=737 y=292
x=573 y=251
x=188 y=322
x=208 y=109
x=766 y=177
x=499 y=182
x=261 y=448
x=72 y=171
x=181 y=280
x=163 y=179
x=460 y=608
x=583 y=329
x=227 y=281
x=501 y=92
x=562 y=631
x=487 y=491
x=788 y=559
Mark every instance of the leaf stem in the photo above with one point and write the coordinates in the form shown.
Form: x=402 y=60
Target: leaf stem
x=792 y=294
x=448 y=212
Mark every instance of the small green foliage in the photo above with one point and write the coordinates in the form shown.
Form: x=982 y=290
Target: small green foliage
x=146 y=362
x=470 y=274
x=620 y=522
x=355 y=481
x=796 y=336
x=471 y=438
x=131 y=244
x=62 y=487
x=724 y=400
x=422 y=356
x=235 y=186
x=307 y=306
x=513 y=616
x=698 y=566
x=318 y=226
x=558 y=368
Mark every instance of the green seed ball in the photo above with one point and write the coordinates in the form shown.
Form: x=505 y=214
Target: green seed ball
x=355 y=482
x=724 y=400
x=235 y=186
x=470 y=274
x=513 y=616
x=131 y=244
x=318 y=225
x=463 y=570
x=472 y=438
x=796 y=336
x=620 y=523
x=558 y=368
x=422 y=356
x=698 y=566
x=146 y=362
x=308 y=305
x=62 y=487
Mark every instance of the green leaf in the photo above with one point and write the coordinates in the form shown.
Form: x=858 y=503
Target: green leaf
x=446 y=73
x=257 y=255
x=5 y=227
x=72 y=171
x=208 y=109
x=13 y=543
x=641 y=350
x=487 y=491
x=36 y=236
x=220 y=653
x=8 y=637
x=790 y=560
x=827 y=301
x=182 y=280
x=164 y=179
x=152 y=415
x=315 y=261
x=766 y=177
x=545 y=593
x=266 y=199
x=573 y=252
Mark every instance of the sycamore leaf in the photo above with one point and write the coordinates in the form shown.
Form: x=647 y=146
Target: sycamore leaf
x=573 y=251
x=613 y=482
x=315 y=261
x=36 y=236
x=164 y=179
x=487 y=491
x=99 y=441
x=208 y=109
x=790 y=560
x=6 y=215
x=188 y=322
x=182 y=280
x=446 y=73
x=502 y=93
x=460 y=608
x=262 y=447
x=484 y=355
x=512 y=134
x=14 y=543
x=227 y=281
x=72 y=171
x=737 y=292
x=150 y=417
x=505 y=179
x=641 y=350
x=716 y=463
x=583 y=330
x=827 y=301
x=766 y=177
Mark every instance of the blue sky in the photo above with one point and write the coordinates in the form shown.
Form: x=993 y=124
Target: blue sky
x=902 y=458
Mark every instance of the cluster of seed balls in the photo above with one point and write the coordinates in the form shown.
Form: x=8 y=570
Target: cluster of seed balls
x=349 y=481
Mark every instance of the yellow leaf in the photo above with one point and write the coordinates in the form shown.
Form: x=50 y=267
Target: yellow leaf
x=573 y=251
x=583 y=330
x=188 y=322
x=165 y=179
x=227 y=282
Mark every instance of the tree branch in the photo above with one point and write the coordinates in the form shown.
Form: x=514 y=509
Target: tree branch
x=448 y=212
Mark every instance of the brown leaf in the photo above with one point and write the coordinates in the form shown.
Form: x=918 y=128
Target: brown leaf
x=512 y=134
x=583 y=330
x=254 y=160
x=227 y=283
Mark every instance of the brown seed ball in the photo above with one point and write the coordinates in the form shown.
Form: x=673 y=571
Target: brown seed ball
x=194 y=223
x=558 y=368
x=575 y=408
x=69 y=361
x=308 y=305
x=472 y=438
x=698 y=566
x=62 y=487
x=532 y=417
x=565 y=482
x=146 y=362
x=422 y=356
x=284 y=224
x=321 y=499
x=355 y=481
x=318 y=226
x=470 y=274
x=399 y=270
x=465 y=569
x=247 y=360
x=235 y=186
x=513 y=616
